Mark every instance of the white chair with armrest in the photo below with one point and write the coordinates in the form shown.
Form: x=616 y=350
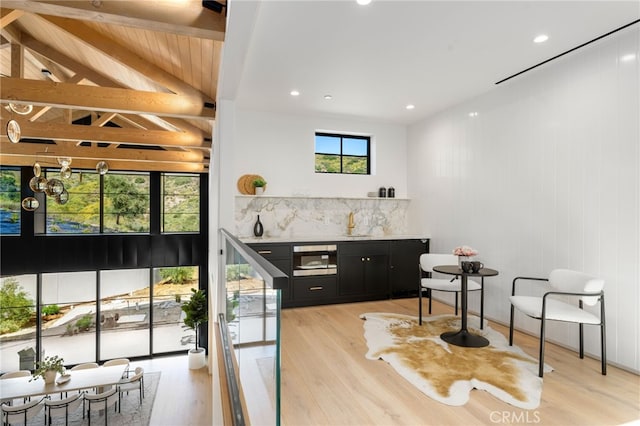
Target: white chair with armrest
x=577 y=286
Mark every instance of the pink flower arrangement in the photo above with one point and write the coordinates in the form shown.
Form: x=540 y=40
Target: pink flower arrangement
x=464 y=251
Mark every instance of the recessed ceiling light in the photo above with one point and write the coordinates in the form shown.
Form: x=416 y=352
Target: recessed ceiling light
x=410 y=106
x=294 y=93
x=473 y=114
x=541 y=38
x=629 y=57
x=363 y=2
x=328 y=97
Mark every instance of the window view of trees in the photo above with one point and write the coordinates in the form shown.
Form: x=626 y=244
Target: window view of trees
x=81 y=214
x=180 y=203
x=342 y=154
x=16 y=306
x=126 y=203
x=9 y=201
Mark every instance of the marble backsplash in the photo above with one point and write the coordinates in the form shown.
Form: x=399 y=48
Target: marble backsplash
x=284 y=217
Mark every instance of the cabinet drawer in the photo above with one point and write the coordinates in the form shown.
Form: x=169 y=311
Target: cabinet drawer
x=363 y=248
x=314 y=288
x=272 y=251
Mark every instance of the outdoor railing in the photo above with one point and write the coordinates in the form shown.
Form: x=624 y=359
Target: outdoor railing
x=253 y=320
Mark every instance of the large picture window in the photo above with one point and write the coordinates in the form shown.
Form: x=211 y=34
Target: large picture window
x=9 y=202
x=180 y=203
x=124 y=204
x=346 y=154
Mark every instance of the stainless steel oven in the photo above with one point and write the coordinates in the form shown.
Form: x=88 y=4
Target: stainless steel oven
x=315 y=259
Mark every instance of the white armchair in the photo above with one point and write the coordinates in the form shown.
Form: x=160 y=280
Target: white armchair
x=583 y=288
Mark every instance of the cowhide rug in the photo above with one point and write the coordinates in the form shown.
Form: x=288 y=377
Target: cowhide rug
x=448 y=373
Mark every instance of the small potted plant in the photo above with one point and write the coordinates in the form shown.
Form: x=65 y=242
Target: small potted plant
x=195 y=315
x=259 y=185
x=49 y=368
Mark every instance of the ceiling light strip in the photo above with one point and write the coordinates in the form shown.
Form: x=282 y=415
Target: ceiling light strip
x=569 y=51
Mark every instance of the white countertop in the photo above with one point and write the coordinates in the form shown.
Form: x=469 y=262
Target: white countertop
x=313 y=238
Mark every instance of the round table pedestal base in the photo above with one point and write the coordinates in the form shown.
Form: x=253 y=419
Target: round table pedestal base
x=464 y=338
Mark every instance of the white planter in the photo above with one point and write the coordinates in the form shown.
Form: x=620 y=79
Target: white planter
x=50 y=376
x=259 y=190
x=197 y=358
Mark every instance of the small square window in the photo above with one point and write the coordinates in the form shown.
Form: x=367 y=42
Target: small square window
x=346 y=154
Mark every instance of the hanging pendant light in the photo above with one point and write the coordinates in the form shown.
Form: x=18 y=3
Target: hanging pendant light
x=13 y=131
x=102 y=167
x=38 y=183
x=62 y=197
x=54 y=187
x=22 y=109
x=37 y=169
x=30 y=204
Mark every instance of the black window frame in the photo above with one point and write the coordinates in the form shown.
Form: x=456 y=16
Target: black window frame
x=343 y=136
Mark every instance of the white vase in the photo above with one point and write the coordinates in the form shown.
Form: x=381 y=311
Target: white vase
x=197 y=358
x=50 y=376
x=259 y=190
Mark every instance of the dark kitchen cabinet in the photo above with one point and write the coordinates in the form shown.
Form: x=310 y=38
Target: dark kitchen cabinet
x=363 y=270
x=404 y=256
x=280 y=256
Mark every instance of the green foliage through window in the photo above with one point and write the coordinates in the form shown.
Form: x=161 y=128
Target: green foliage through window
x=9 y=202
x=180 y=203
x=16 y=308
x=342 y=154
x=179 y=275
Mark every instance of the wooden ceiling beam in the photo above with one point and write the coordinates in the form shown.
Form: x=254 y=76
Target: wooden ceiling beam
x=7 y=16
x=36 y=150
x=123 y=165
x=97 y=78
x=65 y=95
x=187 y=17
x=126 y=57
x=75 y=132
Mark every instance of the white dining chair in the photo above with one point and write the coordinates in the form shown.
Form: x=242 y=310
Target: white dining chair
x=11 y=375
x=118 y=361
x=101 y=401
x=576 y=286
x=431 y=283
x=61 y=407
x=135 y=382
x=20 y=414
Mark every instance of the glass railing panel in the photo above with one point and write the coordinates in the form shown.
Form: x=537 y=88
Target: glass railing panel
x=253 y=318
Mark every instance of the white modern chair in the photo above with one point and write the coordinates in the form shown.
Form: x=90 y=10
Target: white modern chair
x=133 y=383
x=101 y=401
x=20 y=414
x=17 y=373
x=571 y=285
x=118 y=361
x=61 y=407
x=11 y=375
x=84 y=366
x=429 y=283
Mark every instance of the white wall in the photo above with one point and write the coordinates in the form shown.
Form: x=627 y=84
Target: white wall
x=546 y=176
x=280 y=148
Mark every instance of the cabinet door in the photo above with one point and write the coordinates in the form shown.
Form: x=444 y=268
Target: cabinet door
x=351 y=275
x=376 y=278
x=404 y=272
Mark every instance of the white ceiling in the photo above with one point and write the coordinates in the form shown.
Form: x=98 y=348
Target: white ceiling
x=376 y=59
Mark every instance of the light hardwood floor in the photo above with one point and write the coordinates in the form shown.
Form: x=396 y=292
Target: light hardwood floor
x=326 y=380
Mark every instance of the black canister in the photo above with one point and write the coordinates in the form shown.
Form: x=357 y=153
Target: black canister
x=391 y=192
x=382 y=192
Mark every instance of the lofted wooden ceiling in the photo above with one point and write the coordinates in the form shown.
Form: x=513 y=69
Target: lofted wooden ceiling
x=132 y=83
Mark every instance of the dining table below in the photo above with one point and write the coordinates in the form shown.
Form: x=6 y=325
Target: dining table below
x=27 y=386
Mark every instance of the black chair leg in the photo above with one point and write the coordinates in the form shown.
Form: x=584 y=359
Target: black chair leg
x=541 y=369
x=430 y=301
x=603 y=337
x=420 y=305
x=511 y=327
x=581 y=328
